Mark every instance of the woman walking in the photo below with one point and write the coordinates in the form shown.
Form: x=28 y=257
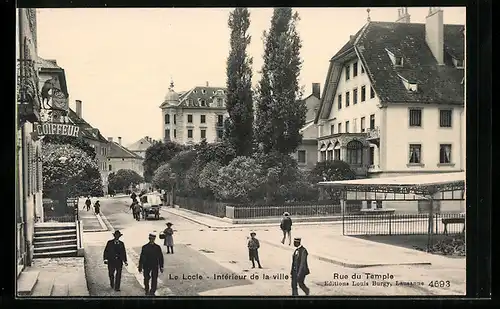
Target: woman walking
x=169 y=238
x=97 y=207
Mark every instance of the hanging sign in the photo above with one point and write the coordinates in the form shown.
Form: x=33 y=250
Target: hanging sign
x=42 y=129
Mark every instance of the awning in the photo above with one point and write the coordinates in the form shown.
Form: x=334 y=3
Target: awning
x=323 y=147
x=337 y=146
x=418 y=184
x=330 y=147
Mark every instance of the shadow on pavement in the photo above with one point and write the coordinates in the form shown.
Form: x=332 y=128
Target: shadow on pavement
x=188 y=272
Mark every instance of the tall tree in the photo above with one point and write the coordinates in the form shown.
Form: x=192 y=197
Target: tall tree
x=123 y=179
x=280 y=114
x=78 y=142
x=239 y=125
x=158 y=154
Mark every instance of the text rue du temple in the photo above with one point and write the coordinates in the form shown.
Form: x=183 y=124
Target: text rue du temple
x=361 y=279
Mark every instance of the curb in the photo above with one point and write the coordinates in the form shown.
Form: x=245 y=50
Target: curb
x=343 y=262
x=106 y=223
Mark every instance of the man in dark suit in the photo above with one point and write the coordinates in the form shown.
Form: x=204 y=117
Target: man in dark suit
x=300 y=269
x=115 y=256
x=151 y=261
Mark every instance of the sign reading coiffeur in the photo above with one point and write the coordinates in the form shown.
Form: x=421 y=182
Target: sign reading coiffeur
x=42 y=129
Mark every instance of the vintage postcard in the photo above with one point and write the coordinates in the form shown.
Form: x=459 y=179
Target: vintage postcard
x=168 y=152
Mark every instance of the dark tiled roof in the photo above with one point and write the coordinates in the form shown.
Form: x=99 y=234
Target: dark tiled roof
x=436 y=84
x=191 y=98
x=117 y=151
x=348 y=45
x=87 y=130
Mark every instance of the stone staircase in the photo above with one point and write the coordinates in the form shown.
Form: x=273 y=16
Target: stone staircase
x=55 y=240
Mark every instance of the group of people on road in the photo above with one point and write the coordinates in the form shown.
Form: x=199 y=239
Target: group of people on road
x=151 y=260
x=88 y=204
x=300 y=267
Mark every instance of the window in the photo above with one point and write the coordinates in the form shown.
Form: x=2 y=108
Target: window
x=445 y=118
x=203 y=91
x=220 y=102
x=347 y=127
x=167 y=118
x=415 y=118
x=347 y=72
x=415 y=153
x=175 y=133
x=355 y=69
x=372 y=156
x=363 y=124
x=347 y=99
x=398 y=61
x=363 y=93
x=329 y=155
x=203 y=133
x=220 y=120
x=323 y=156
x=372 y=121
x=355 y=152
x=220 y=133
x=355 y=96
x=190 y=133
x=202 y=119
x=339 y=101
x=362 y=69
x=339 y=128
x=175 y=119
x=203 y=103
x=445 y=153
x=301 y=156
x=110 y=168
x=336 y=151
x=332 y=129
x=372 y=92
x=190 y=118
x=167 y=134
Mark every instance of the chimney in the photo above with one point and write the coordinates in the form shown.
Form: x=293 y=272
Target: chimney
x=403 y=16
x=110 y=139
x=316 y=90
x=207 y=84
x=434 y=33
x=120 y=140
x=78 y=108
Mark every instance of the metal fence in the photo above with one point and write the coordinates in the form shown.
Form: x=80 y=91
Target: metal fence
x=316 y=209
x=52 y=213
x=401 y=224
x=210 y=207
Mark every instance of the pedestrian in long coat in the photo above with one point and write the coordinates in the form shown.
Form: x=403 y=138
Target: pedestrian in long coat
x=115 y=256
x=169 y=238
x=253 y=250
x=88 y=203
x=97 y=207
x=150 y=261
x=300 y=268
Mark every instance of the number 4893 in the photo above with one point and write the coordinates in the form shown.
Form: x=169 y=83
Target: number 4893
x=439 y=284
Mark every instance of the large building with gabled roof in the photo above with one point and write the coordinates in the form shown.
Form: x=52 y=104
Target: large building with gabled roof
x=191 y=116
x=393 y=102
x=122 y=158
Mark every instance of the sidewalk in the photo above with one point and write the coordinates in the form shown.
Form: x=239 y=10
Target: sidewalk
x=91 y=221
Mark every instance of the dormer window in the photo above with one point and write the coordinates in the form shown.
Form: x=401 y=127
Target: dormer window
x=397 y=61
x=195 y=91
x=410 y=86
x=459 y=64
x=203 y=103
x=203 y=91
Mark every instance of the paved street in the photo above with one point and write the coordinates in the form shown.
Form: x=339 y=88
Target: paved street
x=201 y=253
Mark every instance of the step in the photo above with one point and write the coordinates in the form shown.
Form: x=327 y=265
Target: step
x=60 y=289
x=61 y=247
x=56 y=236
x=61 y=225
x=42 y=244
x=44 y=285
x=55 y=232
x=26 y=282
x=61 y=253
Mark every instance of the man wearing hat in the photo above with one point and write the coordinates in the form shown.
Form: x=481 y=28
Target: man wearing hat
x=150 y=261
x=286 y=227
x=115 y=256
x=300 y=269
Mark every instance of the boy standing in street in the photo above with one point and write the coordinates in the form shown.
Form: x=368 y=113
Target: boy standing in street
x=253 y=250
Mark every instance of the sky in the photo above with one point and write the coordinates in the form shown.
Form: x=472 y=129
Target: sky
x=119 y=61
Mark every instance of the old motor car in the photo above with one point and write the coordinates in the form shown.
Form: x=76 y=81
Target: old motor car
x=150 y=204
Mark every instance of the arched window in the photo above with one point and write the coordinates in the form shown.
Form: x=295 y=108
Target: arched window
x=354 y=152
x=336 y=151
x=329 y=150
x=323 y=153
x=167 y=118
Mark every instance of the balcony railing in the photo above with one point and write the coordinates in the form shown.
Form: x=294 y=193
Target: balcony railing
x=373 y=133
